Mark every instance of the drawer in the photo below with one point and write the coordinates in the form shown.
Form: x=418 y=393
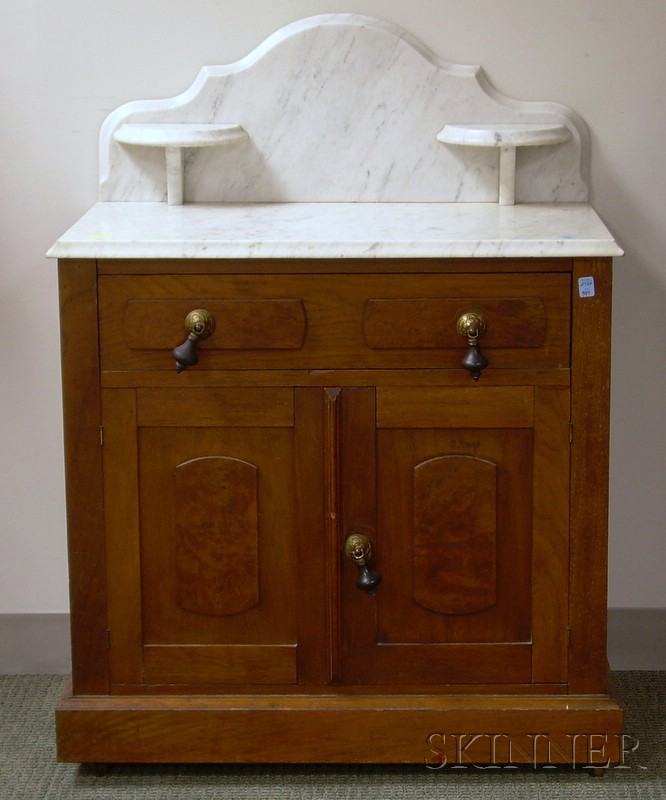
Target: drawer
x=335 y=321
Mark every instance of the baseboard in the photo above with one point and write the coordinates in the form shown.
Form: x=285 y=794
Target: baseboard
x=637 y=638
x=34 y=644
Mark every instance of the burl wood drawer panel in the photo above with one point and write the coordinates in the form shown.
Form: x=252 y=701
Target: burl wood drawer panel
x=335 y=321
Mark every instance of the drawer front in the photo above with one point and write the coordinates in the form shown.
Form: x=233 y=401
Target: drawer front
x=336 y=321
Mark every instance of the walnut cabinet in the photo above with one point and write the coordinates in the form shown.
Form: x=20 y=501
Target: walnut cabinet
x=215 y=614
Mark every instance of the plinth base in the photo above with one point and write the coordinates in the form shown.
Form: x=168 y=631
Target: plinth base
x=435 y=730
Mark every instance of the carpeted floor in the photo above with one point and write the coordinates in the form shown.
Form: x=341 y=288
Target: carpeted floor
x=28 y=769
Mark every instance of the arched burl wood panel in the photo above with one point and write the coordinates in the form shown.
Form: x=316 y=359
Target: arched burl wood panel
x=454 y=534
x=217 y=542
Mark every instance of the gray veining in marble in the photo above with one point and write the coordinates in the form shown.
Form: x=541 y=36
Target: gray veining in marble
x=336 y=230
x=343 y=108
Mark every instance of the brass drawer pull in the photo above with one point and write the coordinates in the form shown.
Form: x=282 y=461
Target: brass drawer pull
x=472 y=325
x=359 y=550
x=199 y=325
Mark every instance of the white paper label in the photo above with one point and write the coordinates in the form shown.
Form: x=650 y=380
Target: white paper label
x=586 y=287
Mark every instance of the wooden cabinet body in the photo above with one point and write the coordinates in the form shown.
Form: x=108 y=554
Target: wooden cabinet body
x=214 y=615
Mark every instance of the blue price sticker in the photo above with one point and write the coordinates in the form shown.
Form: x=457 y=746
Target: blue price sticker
x=586 y=286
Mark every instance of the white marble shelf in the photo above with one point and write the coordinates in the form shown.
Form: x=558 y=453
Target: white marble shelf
x=507 y=137
x=336 y=230
x=173 y=137
x=178 y=134
x=504 y=135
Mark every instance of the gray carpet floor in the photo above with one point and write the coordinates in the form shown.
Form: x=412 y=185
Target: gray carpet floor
x=29 y=771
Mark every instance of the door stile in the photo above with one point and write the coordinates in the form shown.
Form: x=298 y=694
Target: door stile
x=550 y=550
x=314 y=664
x=358 y=483
x=332 y=406
x=119 y=412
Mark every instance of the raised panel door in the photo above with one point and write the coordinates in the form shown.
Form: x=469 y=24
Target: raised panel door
x=466 y=505
x=203 y=533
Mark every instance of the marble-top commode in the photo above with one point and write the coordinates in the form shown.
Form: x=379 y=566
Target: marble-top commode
x=336 y=230
x=341 y=136
x=341 y=306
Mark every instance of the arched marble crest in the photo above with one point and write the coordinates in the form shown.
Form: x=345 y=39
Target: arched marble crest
x=342 y=108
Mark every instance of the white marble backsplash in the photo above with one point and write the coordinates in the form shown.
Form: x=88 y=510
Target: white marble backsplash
x=343 y=108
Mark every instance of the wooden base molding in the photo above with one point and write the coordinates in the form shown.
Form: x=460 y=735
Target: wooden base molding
x=462 y=730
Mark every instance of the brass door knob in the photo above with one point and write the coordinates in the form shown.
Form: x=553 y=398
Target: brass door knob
x=472 y=325
x=358 y=549
x=199 y=324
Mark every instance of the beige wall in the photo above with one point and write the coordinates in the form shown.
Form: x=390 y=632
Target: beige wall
x=64 y=64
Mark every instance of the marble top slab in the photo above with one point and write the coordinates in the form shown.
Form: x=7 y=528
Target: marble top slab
x=336 y=230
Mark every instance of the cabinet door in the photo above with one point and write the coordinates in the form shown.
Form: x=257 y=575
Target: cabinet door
x=203 y=532
x=464 y=492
